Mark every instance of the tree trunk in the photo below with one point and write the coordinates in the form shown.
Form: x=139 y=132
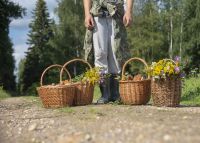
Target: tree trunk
x=181 y=40
x=171 y=33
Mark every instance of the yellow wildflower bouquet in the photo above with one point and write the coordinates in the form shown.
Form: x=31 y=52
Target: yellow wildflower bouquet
x=92 y=76
x=166 y=68
x=95 y=75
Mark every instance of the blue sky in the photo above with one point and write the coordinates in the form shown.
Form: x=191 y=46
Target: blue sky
x=19 y=28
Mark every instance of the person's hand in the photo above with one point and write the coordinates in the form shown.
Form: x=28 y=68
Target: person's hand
x=127 y=19
x=89 y=22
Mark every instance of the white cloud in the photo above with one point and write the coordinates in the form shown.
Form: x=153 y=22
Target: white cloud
x=19 y=52
x=20 y=23
x=18 y=57
x=20 y=48
x=19 y=27
x=52 y=15
x=30 y=4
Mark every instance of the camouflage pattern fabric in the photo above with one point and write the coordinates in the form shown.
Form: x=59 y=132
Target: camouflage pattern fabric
x=116 y=11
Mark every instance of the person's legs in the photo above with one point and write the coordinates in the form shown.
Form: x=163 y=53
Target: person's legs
x=100 y=41
x=113 y=65
x=114 y=88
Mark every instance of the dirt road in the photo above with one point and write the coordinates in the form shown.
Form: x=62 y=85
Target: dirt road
x=25 y=121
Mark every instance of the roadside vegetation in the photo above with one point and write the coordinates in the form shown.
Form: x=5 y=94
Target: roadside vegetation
x=191 y=91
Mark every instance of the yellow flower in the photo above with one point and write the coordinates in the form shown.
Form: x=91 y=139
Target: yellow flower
x=92 y=76
x=163 y=68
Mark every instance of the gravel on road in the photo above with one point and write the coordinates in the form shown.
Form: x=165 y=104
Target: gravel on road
x=24 y=121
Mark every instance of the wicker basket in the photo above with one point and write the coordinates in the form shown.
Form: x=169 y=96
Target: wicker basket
x=135 y=92
x=166 y=92
x=56 y=95
x=84 y=91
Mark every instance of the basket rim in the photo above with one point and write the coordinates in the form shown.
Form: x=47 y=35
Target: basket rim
x=134 y=81
x=56 y=86
x=80 y=82
x=63 y=86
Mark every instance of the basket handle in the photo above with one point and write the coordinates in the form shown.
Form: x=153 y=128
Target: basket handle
x=52 y=66
x=71 y=61
x=130 y=60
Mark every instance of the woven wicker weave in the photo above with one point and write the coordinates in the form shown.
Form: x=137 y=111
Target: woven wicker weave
x=83 y=94
x=166 y=92
x=135 y=92
x=56 y=95
x=84 y=91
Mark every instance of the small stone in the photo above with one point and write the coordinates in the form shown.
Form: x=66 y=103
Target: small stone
x=119 y=130
x=139 y=138
x=150 y=114
x=97 y=117
x=52 y=122
x=185 y=117
x=10 y=135
x=19 y=131
x=32 y=127
x=88 y=137
x=174 y=127
x=33 y=139
x=7 y=132
x=167 y=137
x=26 y=111
x=41 y=127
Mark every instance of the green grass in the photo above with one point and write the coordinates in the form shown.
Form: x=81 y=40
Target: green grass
x=34 y=99
x=97 y=93
x=3 y=94
x=190 y=95
x=93 y=111
x=191 y=92
x=66 y=110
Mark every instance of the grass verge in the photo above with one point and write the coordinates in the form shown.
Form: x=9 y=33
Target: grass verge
x=34 y=99
x=3 y=94
x=191 y=92
x=190 y=95
x=97 y=93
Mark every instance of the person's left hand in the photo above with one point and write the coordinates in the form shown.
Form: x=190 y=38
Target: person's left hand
x=127 y=19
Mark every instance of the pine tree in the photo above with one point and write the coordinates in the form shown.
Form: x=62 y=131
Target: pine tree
x=38 y=55
x=8 y=11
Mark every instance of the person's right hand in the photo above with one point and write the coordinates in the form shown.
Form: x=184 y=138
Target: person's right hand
x=89 y=22
x=127 y=19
